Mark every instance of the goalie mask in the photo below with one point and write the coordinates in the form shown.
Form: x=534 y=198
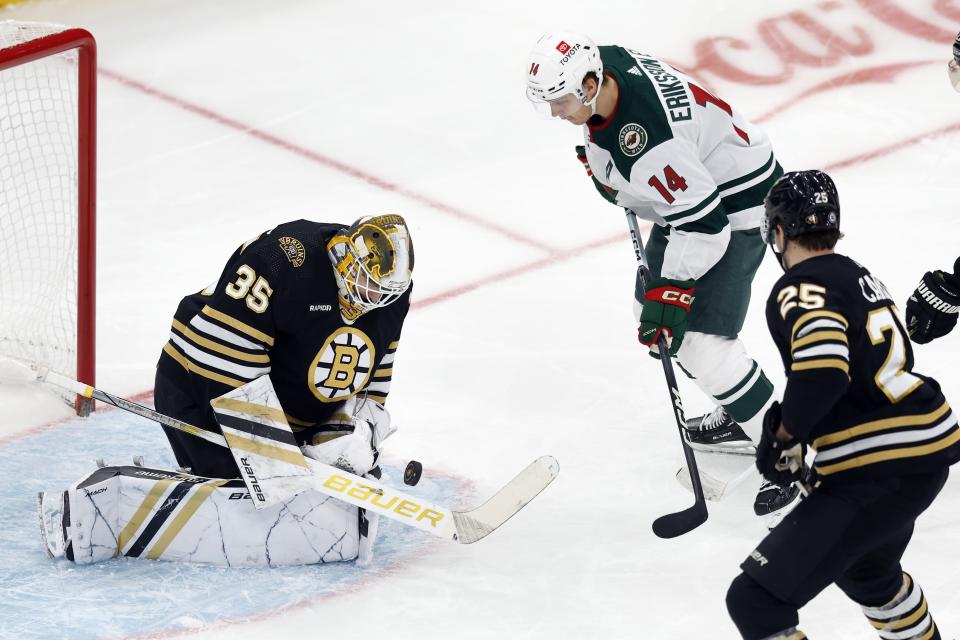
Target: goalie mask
x=556 y=68
x=373 y=263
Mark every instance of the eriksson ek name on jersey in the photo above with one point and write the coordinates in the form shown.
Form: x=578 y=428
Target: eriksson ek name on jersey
x=669 y=86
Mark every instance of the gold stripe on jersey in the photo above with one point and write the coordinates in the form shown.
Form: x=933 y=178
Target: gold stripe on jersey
x=925 y=419
x=133 y=525
x=250 y=409
x=889 y=454
x=243 y=327
x=819 y=336
x=897 y=625
x=320 y=438
x=199 y=340
x=822 y=363
x=383 y=373
x=813 y=315
x=297 y=422
x=263 y=449
x=377 y=397
x=393 y=345
x=199 y=496
x=192 y=367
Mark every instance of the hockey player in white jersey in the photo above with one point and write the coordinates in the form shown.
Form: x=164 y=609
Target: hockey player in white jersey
x=657 y=143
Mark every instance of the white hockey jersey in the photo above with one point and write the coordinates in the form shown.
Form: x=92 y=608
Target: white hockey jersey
x=680 y=157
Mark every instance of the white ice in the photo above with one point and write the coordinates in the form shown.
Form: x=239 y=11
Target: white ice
x=220 y=119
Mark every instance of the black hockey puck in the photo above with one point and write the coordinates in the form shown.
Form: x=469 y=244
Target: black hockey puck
x=411 y=475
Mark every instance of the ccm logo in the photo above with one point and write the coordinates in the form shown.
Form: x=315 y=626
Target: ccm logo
x=375 y=498
x=677 y=296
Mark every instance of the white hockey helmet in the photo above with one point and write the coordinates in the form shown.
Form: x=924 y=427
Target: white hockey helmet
x=556 y=68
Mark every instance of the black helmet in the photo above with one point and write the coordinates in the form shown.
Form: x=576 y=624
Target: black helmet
x=801 y=202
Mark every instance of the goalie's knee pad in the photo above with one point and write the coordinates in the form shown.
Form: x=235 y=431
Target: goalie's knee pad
x=162 y=515
x=758 y=614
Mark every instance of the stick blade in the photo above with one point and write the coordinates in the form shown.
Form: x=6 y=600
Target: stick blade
x=515 y=495
x=681 y=522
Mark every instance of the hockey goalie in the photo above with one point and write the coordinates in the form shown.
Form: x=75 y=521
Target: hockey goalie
x=289 y=354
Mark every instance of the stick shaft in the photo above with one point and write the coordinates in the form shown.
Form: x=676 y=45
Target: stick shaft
x=676 y=403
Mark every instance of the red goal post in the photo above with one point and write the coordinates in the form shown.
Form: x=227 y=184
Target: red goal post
x=48 y=200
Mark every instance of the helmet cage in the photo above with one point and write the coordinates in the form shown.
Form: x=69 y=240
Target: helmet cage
x=375 y=269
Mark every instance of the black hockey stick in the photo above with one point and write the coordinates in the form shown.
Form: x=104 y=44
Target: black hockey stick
x=681 y=522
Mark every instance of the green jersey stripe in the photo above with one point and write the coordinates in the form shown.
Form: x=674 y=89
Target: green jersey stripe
x=712 y=199
x=726 y=186
x=752 y=197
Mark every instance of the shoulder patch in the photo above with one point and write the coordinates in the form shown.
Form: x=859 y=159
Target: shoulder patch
x=633 y=139
x=294 y=250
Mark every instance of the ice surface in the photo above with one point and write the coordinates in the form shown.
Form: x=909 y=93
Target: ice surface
x=46 y=598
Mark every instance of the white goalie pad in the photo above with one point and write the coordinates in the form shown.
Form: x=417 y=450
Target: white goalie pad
x=262 y=444
x=163 y=515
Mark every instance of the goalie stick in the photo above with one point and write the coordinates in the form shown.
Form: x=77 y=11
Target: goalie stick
x=465 y=527
x=680 y=522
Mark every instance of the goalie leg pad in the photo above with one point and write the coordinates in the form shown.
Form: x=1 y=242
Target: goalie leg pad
x=715 y=362
x=163 y=515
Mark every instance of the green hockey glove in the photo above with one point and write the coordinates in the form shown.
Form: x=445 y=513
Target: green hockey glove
x=665 y=308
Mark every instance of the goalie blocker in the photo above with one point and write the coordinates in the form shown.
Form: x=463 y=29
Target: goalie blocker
x=162 y=515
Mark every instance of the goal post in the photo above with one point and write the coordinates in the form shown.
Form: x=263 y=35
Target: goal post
x=48 y=198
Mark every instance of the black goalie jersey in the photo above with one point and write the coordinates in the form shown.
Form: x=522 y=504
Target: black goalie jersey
x=851 y=390
x=274 y=310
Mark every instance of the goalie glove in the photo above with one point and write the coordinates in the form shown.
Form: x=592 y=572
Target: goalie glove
x=933 y=307
x=779 y=461
x=609 y=193
x=351 y=439
x=665 y=308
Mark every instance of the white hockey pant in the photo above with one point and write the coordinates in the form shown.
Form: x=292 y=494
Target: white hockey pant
x=723 y=370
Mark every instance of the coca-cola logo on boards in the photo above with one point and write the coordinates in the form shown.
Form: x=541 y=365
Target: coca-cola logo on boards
x=814 y=38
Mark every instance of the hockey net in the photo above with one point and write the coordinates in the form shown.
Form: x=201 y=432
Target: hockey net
x=47 y=165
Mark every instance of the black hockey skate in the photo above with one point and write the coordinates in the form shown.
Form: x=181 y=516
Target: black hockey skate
x=716 y=432
x=772 y=498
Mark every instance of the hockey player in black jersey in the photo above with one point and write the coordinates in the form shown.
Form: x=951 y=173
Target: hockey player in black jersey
x=317 y=307
x=884 y=435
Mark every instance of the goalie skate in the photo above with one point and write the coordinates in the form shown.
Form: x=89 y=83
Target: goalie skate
x=716 y=432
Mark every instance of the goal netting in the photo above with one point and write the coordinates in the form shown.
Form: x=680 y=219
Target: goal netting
x=47 y=75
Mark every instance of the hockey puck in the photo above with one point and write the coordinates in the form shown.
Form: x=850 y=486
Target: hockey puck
x=411 y=475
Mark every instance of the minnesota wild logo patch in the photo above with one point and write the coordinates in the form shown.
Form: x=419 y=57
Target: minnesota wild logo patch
x=294 y=250
x=633 y=139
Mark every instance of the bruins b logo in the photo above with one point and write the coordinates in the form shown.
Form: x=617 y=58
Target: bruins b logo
x=343 y=365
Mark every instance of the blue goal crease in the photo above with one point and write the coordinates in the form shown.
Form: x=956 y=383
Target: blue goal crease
x=44 y=598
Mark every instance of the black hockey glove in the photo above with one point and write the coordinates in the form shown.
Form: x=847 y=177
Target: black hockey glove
x=779 y=461
x=933 y=308
x=609 y=194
